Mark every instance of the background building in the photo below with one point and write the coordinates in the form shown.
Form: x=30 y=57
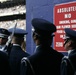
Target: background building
x=12 y=11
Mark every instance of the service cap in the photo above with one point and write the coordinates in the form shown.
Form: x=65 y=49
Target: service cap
x=70 y=33
x=4 y=33
x=18 y=32
x=43 y=27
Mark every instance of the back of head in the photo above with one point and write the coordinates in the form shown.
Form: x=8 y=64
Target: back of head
x=43 y=28
x=18 y=35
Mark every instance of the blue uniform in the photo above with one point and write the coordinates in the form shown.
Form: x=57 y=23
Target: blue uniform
x=45 y=60
x=15 y=59
x=4 y=64
x=4 y=34
x=17 y=53
x=70 y=41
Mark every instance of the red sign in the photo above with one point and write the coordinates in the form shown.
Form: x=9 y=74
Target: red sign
x=64 y=17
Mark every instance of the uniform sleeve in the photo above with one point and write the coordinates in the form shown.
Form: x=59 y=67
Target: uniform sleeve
x=63 y=67
x=23 y=67
x=66 y=68
x=26 y=67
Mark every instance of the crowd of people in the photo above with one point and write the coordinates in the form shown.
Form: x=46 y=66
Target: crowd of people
x=45 y=59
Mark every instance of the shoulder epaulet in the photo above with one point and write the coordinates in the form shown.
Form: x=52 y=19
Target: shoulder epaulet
x=26 y=60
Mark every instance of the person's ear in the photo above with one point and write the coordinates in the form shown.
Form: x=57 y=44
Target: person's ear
x=70 y=43
x=35 y=37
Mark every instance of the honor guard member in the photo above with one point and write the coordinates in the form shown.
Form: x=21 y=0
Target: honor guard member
x=45 y=60
x=4 y=64
x=4 y=34
x=68 y=65
x=17 y=53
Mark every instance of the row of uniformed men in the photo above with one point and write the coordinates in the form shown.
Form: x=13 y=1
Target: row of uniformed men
x=45 y=60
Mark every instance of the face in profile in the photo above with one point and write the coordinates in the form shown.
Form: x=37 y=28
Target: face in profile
x=67 y=44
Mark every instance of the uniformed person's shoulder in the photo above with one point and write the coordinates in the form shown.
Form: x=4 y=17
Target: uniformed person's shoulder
x=58 y=53
x=3 y=55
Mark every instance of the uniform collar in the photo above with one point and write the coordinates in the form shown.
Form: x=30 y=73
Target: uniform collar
x=2 y=47
x=16 y=45
x=36 y=48
x=69 y=51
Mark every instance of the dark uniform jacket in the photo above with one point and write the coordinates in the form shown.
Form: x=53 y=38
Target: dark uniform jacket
x=45 y=61
x=15 y=59
x=4 y=64
x=66 y=68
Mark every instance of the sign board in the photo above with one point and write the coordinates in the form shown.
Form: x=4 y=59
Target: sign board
x=64 y=17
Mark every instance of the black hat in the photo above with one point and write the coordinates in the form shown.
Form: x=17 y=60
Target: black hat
x=70 y=34
x=43 y=27
x=18 y=32
x=4 y=33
